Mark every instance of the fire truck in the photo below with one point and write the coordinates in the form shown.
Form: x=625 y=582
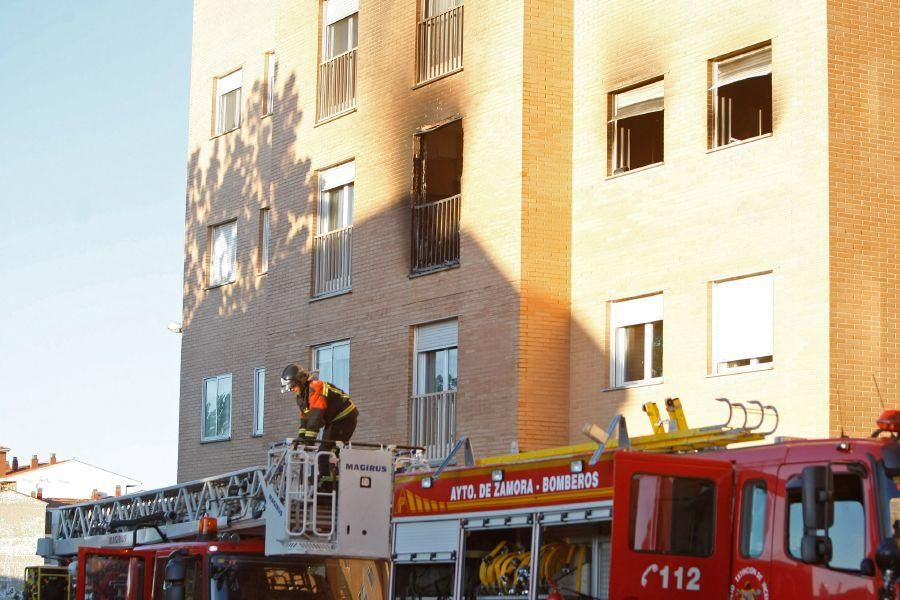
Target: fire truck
x=675 y=514
x=679 y=513
x=262 y=532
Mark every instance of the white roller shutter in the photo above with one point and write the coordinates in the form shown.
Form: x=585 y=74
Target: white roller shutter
x=335 y=10
x=637 y=311
x=230 y=82
x=744 y=318
x=437 y=335
x=639 y=101
x=752 y=64
x=337 y=176
x=427 y=537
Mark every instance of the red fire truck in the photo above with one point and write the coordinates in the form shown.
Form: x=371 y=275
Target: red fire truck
x=263 y=532
x=792 y=519
x=675 y=514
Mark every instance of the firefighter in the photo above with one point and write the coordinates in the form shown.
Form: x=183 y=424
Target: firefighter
x=321 y=405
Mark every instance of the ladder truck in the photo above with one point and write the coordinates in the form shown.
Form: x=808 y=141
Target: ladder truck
x=676 y=514
x=262 y=532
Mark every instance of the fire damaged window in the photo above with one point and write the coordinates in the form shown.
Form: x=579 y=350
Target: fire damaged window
x=742 y=97
x=437 y=190
x=672 y=515
x=636 y=127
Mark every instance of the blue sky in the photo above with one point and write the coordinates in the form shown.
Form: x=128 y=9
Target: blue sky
x=92 y=180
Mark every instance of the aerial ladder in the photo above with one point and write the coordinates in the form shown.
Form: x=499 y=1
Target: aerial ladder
x=279 y=501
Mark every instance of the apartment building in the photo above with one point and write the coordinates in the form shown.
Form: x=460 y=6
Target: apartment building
x=504 y=219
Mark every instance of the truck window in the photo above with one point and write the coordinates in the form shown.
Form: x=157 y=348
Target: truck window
x=848 y=546
x=753 y=518
x=672 y=515
x=190 y=578
x=250 y=577
x=113 y=578
x=423 y=581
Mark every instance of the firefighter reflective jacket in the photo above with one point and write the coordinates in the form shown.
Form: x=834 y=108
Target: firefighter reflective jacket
x=325 y=404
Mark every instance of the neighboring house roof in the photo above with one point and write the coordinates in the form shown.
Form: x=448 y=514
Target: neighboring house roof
x=13 y=475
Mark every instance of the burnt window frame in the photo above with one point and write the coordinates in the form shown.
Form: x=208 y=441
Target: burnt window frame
x=613 y=142
x=419 y=198
x=714 y=133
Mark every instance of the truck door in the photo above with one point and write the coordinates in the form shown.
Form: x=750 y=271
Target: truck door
x=853 y=534
x=671 y=527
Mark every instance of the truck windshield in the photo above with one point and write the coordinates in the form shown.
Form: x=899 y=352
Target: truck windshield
x=247 y=577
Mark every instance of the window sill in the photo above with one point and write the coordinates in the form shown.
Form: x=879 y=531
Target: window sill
x=261 y=273
x=218 y=285
x=739 y=370
x=330 y=295
x=638 y=170
x=214 y=440
x=256 y=435
x=218 y=135
x=740 y=143
x=265 y=115
x=438 y=78
x=635 y=384
x=335 y=117
x=416 y=275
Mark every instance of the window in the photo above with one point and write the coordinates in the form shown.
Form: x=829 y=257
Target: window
x=228 y=102
x=637 y=340
x=754 y=502
x=636 y=128
x=334 y=226
x=223 y=253
x=672 y=515
x=742 y=97
x=742 y=323
x=216 y=408
x=437 y=191
x=264 y=218
x=436 y=353
x=341 y=27
x=269 y=99
x=337 y=71
x=259 y=400
x=439 y=40
x=333 y=363
x=432 y=416
x=848 y=540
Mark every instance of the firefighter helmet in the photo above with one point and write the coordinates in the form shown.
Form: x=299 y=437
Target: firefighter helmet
x=292 y=375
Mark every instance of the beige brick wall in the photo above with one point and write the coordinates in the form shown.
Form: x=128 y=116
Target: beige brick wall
x=863 y=162
x=269 y=320
x=701 y=216
x=548 y=239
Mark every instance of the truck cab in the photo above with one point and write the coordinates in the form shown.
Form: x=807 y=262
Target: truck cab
x=802 y=518
x=222 y=570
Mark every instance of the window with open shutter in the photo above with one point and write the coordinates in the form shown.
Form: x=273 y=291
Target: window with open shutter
x=742 y=97
x=636 y=127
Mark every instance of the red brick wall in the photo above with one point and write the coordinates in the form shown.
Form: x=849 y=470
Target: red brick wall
x=864 y=162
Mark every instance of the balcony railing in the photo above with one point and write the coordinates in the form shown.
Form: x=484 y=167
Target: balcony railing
x=331 y=265
x=435 y=235
x=432 y=423
x=439 y=45
x=337 y=85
